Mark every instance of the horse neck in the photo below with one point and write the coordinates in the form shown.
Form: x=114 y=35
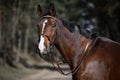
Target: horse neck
x=70 y=45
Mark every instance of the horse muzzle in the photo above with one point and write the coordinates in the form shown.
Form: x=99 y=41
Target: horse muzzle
x=44 y=51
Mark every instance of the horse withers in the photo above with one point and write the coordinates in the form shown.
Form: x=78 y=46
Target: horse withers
x=97 y=59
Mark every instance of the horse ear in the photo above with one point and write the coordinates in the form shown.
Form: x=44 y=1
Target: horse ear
x=52 y=10
x=39 y=10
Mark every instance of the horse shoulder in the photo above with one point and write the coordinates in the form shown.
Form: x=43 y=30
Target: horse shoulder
x=95 y=70
x=104 y=61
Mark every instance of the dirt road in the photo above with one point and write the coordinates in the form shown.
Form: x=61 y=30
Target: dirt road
x=47 y=75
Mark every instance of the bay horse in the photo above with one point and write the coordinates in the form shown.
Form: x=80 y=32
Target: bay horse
x=97 y=59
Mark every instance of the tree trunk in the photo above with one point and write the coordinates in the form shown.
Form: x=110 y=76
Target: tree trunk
x=0 y=27
x=27 y=31
x=19 y=47
x=15 y=20
x=26 y=41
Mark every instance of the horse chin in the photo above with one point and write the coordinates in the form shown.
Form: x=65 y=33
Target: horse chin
x=45 y=52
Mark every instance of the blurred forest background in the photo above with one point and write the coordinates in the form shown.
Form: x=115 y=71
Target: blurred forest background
x=18 y=21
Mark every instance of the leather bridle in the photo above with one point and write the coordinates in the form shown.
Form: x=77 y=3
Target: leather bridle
x=74 y=70
x=58 y=68
x=44 y=35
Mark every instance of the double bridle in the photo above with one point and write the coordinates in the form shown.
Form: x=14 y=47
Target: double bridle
x=58 y=68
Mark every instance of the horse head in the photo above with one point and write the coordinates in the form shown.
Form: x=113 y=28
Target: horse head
x=47 y=29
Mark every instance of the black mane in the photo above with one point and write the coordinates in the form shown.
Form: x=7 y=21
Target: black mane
x=92 y=33
x=70 y=25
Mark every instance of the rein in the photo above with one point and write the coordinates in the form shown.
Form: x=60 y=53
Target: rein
x=73 y=71
x=58 y=68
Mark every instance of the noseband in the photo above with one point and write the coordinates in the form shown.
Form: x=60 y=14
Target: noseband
x=50 y=40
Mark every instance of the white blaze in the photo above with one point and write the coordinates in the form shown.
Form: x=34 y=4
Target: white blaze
x=41 y=45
